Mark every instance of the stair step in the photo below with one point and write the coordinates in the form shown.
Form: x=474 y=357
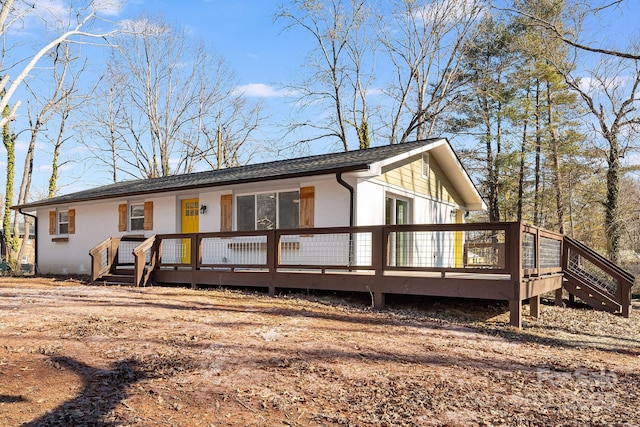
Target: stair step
x=117 y=279
x=594 y=297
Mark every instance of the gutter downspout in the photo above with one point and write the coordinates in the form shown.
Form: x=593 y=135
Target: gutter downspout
x=351 y=203
x=351 y=213
x=35 y=231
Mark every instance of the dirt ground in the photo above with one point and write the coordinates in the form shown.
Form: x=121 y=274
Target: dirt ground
x=72 y=354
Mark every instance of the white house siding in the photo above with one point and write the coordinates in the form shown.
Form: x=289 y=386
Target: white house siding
x=331 y=209
x=95 y=221
x=164 y=215
x=427 y=249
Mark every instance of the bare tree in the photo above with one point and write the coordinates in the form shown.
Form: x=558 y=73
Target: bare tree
x=424 y=41
x=40 y=112
x=167 y=94
x=336 y=81
x=76 y=30
x=103 y=123
x=611 y=95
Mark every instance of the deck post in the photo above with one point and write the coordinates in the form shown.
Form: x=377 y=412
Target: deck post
x=513 y=246
x=379 y=250
x=624 y=298
x=515 y=313
x=378 y=300
x=534 y=306
x=559 y=297
x=273 y=248
x=196 y=250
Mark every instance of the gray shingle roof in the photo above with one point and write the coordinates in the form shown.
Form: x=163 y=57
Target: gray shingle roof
x=299 y=167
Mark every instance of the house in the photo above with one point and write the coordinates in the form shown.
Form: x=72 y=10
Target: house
x=385 y=220
x=420 y=182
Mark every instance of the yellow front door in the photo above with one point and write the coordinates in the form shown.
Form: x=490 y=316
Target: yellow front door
x=457 y=242
x=189 y=225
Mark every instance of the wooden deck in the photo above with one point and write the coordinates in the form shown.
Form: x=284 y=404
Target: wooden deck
x=499 y=261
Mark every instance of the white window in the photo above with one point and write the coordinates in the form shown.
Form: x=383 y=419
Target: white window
x=63 y=222
x=266 y=211
x=136 y=216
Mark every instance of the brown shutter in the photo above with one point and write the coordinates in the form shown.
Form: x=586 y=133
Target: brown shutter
x=122 y=217
x=148 y=216
x=72 y=221
x=52 y=222
x=226 y=212
x=307 y=202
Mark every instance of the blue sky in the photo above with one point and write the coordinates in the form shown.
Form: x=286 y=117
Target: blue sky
x=264 y=56
x=244 y=32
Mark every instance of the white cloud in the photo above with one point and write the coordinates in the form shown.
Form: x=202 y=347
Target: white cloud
x=56 y=14
x=590 y=84
x=448 y=11
x=261 y=90
x=376 y=91
x=108 y=7
x=143 y=26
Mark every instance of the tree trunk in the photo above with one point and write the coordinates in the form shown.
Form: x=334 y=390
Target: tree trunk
x=523 y=155
x=557 y=176
x=10 y=236
x=537 y=193
x=613 y=226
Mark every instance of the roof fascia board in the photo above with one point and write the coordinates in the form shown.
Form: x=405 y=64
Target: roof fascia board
x=459 y=177
x=377 y=166
x=30 y=207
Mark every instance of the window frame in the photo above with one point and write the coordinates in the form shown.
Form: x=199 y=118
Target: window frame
x=131 y=217
x=278 y=205
x=59 y=222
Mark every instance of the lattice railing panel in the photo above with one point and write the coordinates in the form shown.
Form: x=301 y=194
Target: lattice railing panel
x=586 y=270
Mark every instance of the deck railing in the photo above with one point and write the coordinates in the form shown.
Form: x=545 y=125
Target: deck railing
x=480 y=249
x=103 y=256
x=509 y=261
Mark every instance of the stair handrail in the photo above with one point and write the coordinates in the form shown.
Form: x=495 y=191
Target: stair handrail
x=110 y=244
x=141 y=277
x=603 y=262
x=624 y=279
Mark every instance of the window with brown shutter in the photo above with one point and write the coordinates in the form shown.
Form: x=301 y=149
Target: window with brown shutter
x=122 y=217
x=72 y=221
x=148 y=215
x=52 y=222
x=226 y=212
x=307 y=206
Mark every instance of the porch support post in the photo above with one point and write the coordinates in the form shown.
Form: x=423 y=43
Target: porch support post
x=196 y=244
x=272 y=291
x=534 y=306
x=559 y=297
x=513 y=247
x=515 y=313
x=378 y=300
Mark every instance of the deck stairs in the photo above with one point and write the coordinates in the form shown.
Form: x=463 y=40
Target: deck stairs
x=120 y=274
x=596 y=280
x=120 y=270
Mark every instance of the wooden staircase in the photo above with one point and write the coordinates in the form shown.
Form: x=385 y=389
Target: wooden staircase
x=118 y=275
x=596 y=280
x=124 y=260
